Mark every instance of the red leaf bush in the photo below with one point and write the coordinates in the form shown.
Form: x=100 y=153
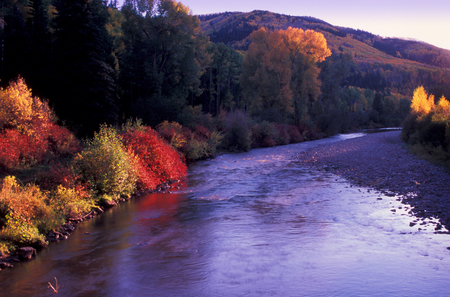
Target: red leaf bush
x=157 y=162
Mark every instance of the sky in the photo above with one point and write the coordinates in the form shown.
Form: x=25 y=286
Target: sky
x=423 y=20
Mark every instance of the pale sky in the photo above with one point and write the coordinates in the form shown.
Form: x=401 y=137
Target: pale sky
x=424 y=20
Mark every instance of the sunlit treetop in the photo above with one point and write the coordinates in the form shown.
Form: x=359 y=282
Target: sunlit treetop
x=308 y=42
x=422 y=103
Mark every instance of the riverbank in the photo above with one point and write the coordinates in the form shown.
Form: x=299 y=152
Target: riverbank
x=382 y=161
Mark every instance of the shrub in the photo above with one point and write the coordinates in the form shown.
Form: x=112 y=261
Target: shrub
x=237 y=132
x=172 y=132
x=294 y=134
x=156 y=158
x=106 y=166
x=71 y=202
x=24 y=213
x=282 y=134
x=196 y=144
x=20 y=110
x=62 y=142
x=264 y=134
x=29 y=135
x=191 y=117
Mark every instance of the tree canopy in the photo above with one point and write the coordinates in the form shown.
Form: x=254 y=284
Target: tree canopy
x=280 y=72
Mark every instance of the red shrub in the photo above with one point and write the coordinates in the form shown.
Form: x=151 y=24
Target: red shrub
x=146 y=178
x=9 y=154
x=282 y=135
x=202 y=133
x=58 y=174
x=160 y=161
x=294 y=134
x=62 y=142
x=19 y=149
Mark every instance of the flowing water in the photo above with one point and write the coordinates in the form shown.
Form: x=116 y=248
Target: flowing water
x=248 y=224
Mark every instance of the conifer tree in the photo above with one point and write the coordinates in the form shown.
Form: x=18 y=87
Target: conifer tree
x=164 y=59
x=85 y=89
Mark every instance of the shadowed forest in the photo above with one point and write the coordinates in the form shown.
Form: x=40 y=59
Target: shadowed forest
x=100 y=101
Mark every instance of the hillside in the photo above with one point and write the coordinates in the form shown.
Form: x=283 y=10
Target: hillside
x=233 y=28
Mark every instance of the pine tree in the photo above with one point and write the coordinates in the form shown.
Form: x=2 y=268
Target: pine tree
x=85 y=90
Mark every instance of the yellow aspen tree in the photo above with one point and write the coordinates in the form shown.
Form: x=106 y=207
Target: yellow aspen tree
x=280 y=71
x=306 y=49
x=20 y=110
x=443 y=104
x=16 y=105
x=422 y=103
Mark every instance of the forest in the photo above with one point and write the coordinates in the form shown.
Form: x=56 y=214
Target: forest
x=100 y=101
x=98 y=63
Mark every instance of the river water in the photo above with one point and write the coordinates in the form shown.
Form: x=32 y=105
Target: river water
x=247 y=224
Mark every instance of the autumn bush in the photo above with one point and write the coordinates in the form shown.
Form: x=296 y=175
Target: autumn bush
x=157 y=161
x=28 y=132
x=191 y=117
x=106 y=166
x=282 y=136
x=68 y=178
x=264 y=134
x=294 y=134
x=237 y=128
x=24 y=214
x=194 y=144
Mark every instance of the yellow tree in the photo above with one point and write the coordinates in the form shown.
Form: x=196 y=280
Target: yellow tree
x=443 y=104
x=20 y=110
x=266 y=74
x=306 y=48
x=280 y=71
x=422 y=103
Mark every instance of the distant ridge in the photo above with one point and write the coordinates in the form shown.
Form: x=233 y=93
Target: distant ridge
x=233 y=28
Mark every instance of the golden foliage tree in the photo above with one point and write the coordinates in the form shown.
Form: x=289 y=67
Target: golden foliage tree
x=422 y=103
x=280 y=71
x=20 y=110
x=443 y=104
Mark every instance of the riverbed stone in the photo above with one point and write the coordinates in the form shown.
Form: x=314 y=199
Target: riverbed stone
x=382 y=161
x=26 y=253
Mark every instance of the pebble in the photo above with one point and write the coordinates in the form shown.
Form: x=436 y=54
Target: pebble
x=382 y=162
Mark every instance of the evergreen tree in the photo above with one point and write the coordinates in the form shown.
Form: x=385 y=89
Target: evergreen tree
x=39 y=58
x=15 y=42
x=164 y=60
x=85 y=89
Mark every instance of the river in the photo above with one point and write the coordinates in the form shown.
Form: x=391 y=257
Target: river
x=247 y=224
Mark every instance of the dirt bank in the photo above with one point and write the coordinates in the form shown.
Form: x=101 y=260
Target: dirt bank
x=381 y=161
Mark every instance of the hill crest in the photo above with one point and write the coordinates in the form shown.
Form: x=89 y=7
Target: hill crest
x=234 y=28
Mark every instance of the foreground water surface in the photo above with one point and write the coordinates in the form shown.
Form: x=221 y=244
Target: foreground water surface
x=248 y=224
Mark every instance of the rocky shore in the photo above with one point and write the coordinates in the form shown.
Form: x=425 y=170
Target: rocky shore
x=382 y=161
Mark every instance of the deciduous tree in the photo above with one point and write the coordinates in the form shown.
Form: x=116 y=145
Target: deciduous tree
x=280 y=71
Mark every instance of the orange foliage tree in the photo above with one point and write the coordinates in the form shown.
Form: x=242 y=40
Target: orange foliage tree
x=280 y=71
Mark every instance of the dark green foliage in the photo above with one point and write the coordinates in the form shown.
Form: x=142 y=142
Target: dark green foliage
x=15 y=43
x=238 y=133
x=264 y=134
x=163 y=60
x=85 y=87
x=39 y=75
x=220 y=81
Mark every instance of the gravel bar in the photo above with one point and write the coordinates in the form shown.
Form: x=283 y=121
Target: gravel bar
x=382 y=161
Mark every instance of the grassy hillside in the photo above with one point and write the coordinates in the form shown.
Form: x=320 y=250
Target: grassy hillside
x=403 y=64
x=233 y=28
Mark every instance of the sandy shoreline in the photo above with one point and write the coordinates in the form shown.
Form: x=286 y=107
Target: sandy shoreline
x=382 y=162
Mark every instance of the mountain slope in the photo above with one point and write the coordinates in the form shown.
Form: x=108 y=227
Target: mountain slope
x=233 y=28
